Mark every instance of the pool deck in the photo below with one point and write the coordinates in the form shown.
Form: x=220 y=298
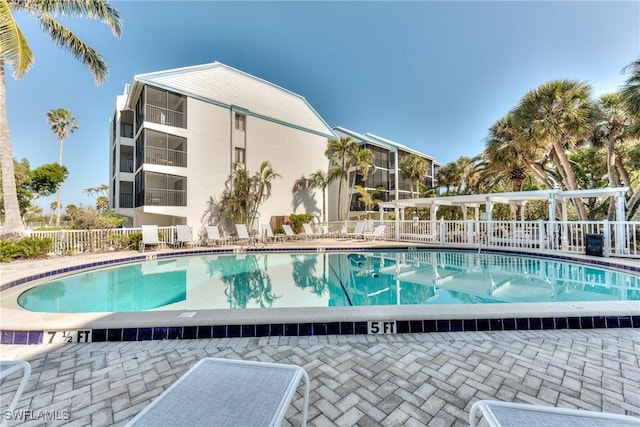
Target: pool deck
x=392 y=380
x=367 y=380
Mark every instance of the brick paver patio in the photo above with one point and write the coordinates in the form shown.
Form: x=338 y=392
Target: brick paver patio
x=392 y=380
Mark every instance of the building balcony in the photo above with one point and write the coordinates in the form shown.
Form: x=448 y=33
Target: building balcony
x=164 y=116
x=126 y=200
x=161 y=156
x=161 y=197
x=126 y=165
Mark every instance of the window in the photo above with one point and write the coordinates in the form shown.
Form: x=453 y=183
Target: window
x=239 y=155
x=241 y=122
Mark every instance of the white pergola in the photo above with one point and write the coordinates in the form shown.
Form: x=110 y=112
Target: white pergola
x=519 y=198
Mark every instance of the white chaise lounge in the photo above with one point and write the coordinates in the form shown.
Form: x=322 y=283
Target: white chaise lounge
x=225 y=392
x=8 y=368
x=497 y=413
x=149 y=237
x=184 y=236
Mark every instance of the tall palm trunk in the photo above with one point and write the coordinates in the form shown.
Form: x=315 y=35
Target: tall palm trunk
x=614 y=182
x=569 y=176
x=12 y=221
x=59 y=190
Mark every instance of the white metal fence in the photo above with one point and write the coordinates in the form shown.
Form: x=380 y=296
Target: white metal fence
x=619 y=239
x=616 y=239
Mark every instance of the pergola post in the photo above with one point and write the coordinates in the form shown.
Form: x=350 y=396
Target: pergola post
x=621 y=234
x=565 y=225
x=489 y=211
x=553 y=227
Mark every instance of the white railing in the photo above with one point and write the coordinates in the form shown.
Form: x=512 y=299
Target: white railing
x=616 y=239
x=78 y=241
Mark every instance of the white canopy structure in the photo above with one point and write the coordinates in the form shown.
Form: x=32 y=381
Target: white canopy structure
x=519 y=198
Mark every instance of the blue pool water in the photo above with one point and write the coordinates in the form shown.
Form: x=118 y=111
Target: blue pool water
x=275 y=279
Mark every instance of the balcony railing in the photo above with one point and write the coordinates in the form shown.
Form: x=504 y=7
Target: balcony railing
x=164 y=116
x=126 y=165
x=162 y=156
x=160 y=197
x=126 y=200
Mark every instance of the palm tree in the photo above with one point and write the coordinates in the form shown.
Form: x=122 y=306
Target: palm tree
x=363 y=161
x=414 y=168
x=558 y=116
x=260 y=190
x=631 y=89
x=612 y=131
x=62 y=124
x=338 y=152
x=321 y=180
x=16 y=53
x=367 y=198
x=504 y=153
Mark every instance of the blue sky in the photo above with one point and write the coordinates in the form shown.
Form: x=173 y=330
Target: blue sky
x=430 y=75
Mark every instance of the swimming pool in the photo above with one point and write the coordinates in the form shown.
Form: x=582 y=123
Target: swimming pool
x=329 y=279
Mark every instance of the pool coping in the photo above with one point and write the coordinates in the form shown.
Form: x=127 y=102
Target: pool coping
x=20 y=326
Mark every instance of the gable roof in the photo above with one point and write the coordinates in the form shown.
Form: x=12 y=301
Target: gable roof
x=228 y=87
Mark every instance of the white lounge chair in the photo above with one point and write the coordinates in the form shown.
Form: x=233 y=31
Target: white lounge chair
x=378 y=233
x=268 y=235
x=213 y=236
x=289 y=232
x=224 y=392
x=358 y=231
x=149 y=237
x=243 y=234
x=308 y=232
x=7 y=368
x=326 y=233
x=511 y=414
x=184 y=236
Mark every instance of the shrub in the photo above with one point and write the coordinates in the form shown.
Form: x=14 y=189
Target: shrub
x=298 y=219
x=27 y=247
x=133 y=240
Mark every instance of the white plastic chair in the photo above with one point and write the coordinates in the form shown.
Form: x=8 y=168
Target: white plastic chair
x=308 y=232
x=497 y=414
x=358 y=232
x=213 y=235
x=289 y=232
x=268 y=234
x=149 y=237
x=378 y=232
x=243 y=233
x=184 y=235
x=7 y=368
x=225 y=392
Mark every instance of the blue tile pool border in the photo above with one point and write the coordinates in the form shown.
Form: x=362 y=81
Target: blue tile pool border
x=326 y=328
x=336 y=328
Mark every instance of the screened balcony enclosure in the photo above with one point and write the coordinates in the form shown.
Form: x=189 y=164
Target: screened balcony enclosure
x=156 y=189
x=160 y=148
x=161 y=106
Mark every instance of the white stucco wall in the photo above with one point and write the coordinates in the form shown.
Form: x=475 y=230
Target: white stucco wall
x=291 y=152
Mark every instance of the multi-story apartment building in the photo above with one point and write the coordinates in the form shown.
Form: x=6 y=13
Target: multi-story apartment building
x=177 y=134
x=387 y=178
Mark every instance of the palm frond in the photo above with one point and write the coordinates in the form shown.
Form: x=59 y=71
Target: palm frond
x=99 y=10
x=66 y=39
x=14 y=48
